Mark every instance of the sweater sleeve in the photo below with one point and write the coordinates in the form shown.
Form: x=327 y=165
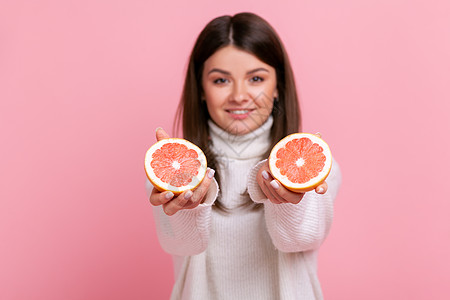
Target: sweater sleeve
x=303 y=226
x=186 y=232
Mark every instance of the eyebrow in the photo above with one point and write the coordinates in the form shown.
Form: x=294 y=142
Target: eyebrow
x=219 y=71
x=228 y=73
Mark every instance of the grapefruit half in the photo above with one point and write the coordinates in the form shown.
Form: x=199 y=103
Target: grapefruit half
x=300 y=161
x=175 y=165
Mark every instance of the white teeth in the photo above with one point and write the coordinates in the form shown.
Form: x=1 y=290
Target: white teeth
x=239 y=112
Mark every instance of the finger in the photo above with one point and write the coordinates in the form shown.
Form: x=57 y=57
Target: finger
x=322 y=188
x=266 y=175
x=172 y=207
x=276 y=188
x=202 y=189
x=265 y=179
x=265 y=189
x=161 y=134
x=159 y=198
x=286 y=195
x=270 y=194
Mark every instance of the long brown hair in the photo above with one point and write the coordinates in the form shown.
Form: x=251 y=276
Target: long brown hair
x=251 y=33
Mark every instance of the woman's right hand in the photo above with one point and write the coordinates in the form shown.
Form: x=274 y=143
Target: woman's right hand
x=187 y=200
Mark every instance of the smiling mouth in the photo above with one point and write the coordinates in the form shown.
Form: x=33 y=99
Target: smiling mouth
x=239 y=111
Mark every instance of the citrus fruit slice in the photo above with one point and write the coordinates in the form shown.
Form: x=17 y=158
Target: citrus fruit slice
x=300 y=161
x=175 y=165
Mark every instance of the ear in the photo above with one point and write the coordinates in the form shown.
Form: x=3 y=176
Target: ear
x=275 y=93
x=202 y=96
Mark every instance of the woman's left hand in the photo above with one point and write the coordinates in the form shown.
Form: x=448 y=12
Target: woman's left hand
x=276 y=192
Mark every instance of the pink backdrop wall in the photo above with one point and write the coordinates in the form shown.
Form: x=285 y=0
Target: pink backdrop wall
x=84 y=83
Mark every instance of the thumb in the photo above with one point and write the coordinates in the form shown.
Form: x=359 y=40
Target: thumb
x=161 y=134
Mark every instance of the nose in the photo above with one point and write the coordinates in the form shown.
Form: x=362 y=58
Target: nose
x=240 y=93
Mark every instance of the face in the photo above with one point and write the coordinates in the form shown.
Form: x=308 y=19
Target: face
x=239 y=90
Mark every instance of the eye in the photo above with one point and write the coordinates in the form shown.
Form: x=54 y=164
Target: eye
x=220 y=81
x=256 y=79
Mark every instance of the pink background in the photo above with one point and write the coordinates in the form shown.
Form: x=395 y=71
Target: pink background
x=83 y=85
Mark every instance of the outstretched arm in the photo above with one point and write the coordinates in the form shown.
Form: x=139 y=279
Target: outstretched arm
x=183 y=221
x=295 y=221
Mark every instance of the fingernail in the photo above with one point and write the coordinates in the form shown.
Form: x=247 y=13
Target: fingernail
x=156 y=130
x=275 y=184
x=265 y=175
x=169 y=195
x=211 y=173
x=188 y=195
x=320 y=190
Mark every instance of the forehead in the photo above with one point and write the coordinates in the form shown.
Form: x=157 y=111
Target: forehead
x=231 y=58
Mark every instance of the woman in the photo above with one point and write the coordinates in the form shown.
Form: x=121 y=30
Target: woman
x=258 y=240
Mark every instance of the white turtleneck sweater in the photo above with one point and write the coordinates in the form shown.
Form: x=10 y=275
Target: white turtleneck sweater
x=266 y=253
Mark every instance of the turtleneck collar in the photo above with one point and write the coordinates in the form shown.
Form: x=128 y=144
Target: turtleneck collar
x=251 y=145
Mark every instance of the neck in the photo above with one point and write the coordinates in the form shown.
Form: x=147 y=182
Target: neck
x=251 y=145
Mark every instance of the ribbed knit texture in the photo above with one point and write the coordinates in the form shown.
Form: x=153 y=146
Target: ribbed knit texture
x=268 y=253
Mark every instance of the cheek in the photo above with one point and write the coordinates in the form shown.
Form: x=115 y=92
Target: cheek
x=213 y=106
x=265 y=100
x=214 y=95
x=212 y=102
x=264 y=93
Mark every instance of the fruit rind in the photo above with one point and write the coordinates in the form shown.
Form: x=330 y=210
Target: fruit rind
x=313 y=183
x=162 y=186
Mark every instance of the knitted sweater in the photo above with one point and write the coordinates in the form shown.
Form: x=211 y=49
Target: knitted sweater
x=244 y=253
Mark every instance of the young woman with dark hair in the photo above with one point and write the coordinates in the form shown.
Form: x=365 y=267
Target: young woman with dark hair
x=254 y=239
